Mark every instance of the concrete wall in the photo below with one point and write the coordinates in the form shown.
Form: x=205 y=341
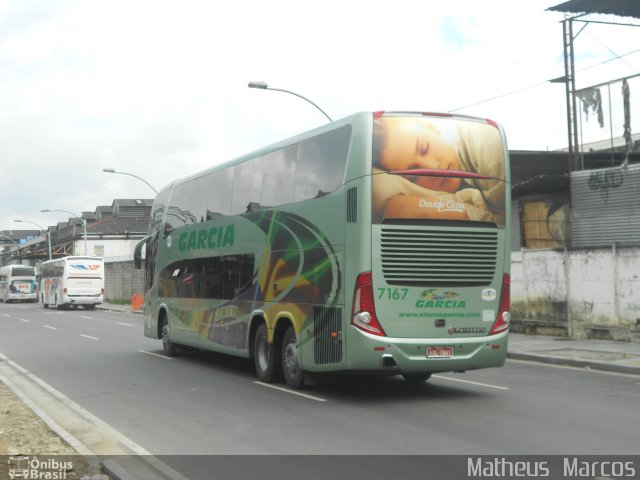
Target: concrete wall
x=122 y=280
x=538 y=286
x=590 y=293
x=111 y=249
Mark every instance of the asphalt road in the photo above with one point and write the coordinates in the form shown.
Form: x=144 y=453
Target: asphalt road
x=208 y=404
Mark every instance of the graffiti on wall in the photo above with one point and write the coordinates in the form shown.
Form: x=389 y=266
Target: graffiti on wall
x=603 y=180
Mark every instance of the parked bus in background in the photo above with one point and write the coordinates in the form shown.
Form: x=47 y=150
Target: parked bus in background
x=18 y=283
x=72 y=281
x=378 y=243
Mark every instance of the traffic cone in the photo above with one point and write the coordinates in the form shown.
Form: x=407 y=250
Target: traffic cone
x=136 y=302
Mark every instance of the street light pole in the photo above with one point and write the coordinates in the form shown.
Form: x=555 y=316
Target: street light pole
x=46 y=231
x=111 y=170
x=265 y=86
x=84 y=224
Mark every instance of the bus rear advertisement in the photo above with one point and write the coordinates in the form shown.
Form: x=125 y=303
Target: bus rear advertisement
x=18 y=283
x=379 y=244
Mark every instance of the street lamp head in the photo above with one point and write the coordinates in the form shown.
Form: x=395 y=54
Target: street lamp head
x=112 y=170
x=262 y=85
x=562 y=79
x=83 y=221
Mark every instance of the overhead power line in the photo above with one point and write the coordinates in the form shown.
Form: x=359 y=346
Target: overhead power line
x=617 y=57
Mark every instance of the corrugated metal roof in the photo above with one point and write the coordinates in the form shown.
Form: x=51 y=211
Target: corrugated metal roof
x=621 y=8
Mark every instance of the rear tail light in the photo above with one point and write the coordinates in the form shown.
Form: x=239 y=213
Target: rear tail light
x=504 y=314
x=363 y=315
x=102 y=291
x=64 y=290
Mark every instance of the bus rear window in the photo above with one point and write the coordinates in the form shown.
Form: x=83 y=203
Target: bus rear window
x=23 y=272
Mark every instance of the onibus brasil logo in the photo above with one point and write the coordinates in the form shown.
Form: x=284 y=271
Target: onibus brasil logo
x=23 y=466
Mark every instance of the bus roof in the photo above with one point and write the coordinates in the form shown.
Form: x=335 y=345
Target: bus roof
x=74 y=257
x=315 y=131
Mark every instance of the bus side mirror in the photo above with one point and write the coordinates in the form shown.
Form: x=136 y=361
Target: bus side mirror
x=137 y=251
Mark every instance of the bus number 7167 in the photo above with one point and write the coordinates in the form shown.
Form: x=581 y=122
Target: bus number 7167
x=392 y=293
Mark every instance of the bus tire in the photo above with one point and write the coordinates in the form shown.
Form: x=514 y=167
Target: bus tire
x=90 y=307
x=44 y=305
x=170 y=349
x=293 y=373
x=266 y=356
x=416 y=378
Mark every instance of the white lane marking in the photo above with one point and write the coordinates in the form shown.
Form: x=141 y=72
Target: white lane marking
x=292 y=392
x=125 y=324
x=50 y=327
x=89 y=336
x=497 y=387
x=156 y=355
x=6 y=315
x=88 y=318
x=25 y=320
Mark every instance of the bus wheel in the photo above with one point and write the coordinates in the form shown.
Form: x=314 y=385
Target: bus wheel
x=168 y=346
x=416 y=378
x=293 y=374
x=44 y=305
x=265 y=356
x=90 y=307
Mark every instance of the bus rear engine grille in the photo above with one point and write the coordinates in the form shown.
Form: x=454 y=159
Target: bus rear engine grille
x=439 y=258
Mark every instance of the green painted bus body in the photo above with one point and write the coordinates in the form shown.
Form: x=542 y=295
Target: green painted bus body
x=217 y=276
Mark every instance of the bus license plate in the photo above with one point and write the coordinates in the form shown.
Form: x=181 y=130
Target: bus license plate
x=439 y=352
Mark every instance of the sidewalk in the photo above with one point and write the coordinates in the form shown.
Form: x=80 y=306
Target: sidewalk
x=607 y=355
x=118 y=308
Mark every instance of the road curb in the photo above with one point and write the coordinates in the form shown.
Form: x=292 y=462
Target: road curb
x=110 y=308
x=586 y=364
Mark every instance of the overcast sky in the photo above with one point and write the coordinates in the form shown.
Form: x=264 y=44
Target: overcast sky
x=159 y=88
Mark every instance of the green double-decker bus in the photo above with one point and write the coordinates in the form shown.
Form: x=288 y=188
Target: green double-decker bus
x=379 y=243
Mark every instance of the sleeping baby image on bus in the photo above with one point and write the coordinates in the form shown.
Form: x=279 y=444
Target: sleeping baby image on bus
x=438 y=168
